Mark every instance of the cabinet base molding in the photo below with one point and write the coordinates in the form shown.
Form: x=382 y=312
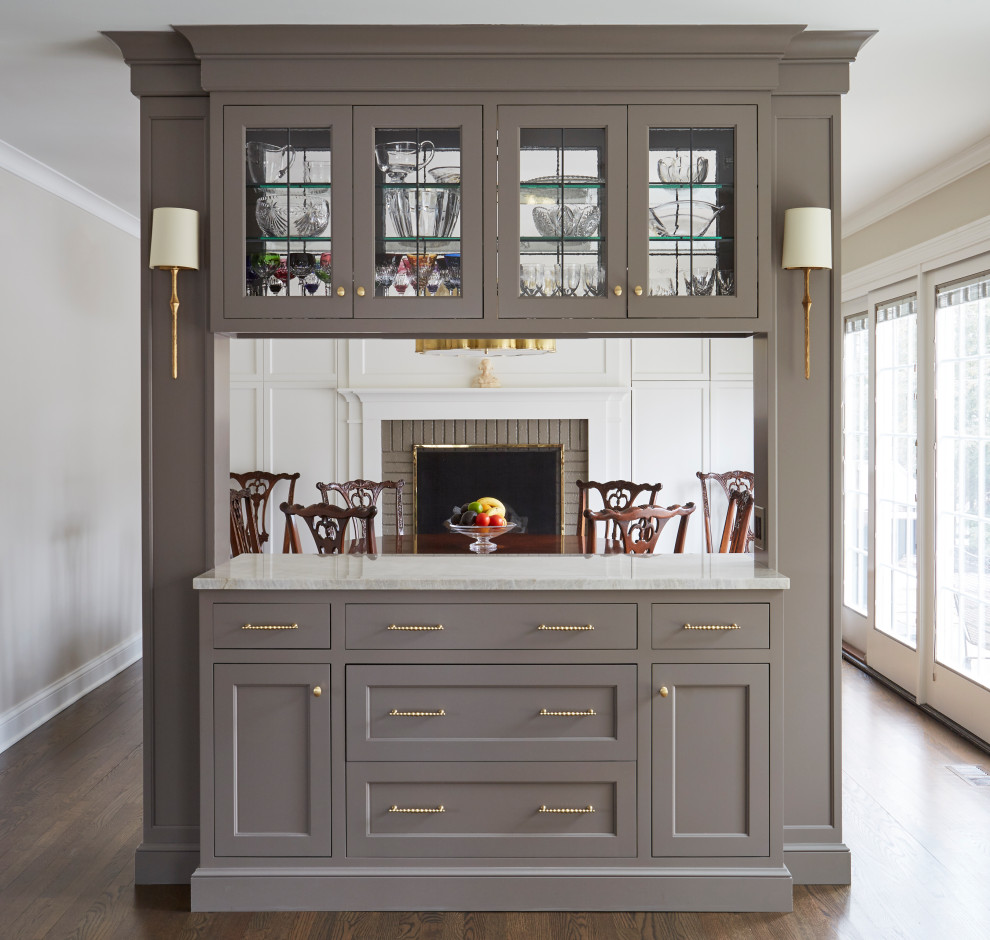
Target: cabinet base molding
x=606 y=889
x=817 y=864
x=165 y=864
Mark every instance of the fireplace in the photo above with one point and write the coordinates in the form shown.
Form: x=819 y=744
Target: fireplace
x=528 y=478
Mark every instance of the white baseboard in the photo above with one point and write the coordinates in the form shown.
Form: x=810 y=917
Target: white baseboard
x=24 y=717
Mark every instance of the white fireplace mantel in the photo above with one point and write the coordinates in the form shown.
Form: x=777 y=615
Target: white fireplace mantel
x=605 y=409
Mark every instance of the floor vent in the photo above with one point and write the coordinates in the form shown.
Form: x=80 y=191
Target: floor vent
x=973 y=775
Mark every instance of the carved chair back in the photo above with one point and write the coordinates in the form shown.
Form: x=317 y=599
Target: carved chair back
x=616 y=496
x=243 y=534
x=739 y=513
x=638 y=527
x=328 y=524
x=260 y=484
x=366 y=493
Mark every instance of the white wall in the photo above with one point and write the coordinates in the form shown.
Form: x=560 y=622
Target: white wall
x=70 y=514
x=690 y=406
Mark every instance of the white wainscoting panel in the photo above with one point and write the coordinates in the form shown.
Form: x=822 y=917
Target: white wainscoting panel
x=301 y=424
x=670 y=443
x=247 y=427
x=302 y=360
x=246 y=359
x=669 y=358
x=732 y=358
x=394 y=363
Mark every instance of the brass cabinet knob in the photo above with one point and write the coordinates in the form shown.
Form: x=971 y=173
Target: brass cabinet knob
x=317 y=691
x=664 y=691
x=617 y=290
x=341 y=291
x=638 y=290
x=360 y=292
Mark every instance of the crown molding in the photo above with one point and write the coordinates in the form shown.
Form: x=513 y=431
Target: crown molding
x=27 y=168
x=948 y=171
x=967 y=241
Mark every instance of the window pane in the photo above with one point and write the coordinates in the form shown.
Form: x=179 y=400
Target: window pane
x=855 y=461
x=896 y=470
x=962 y=478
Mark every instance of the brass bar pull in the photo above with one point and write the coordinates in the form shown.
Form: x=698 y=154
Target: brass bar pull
x=416 y=809
x=711 y=626
x=415 y=627
x=565 y=627
x=590 y=713
x=565 y=809
x=270 y=626
x=395 y=713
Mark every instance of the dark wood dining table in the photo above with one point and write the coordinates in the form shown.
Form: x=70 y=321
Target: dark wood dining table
x=512 y=543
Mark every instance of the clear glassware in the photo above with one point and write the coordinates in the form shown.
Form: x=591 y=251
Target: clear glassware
x=434 y=279
x=267 y=163
x=275 y=285
x=385 y=272
x=301 y=265
x=680 y=168
x=594 y=278
x=311 y=283
x=263 y=265
x=551 y=280
x=572 y=279
x=725 y=282
x=452 y=274
x=398 y=158
x=700 y=285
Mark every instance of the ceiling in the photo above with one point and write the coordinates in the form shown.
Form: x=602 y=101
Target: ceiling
x=915 y=99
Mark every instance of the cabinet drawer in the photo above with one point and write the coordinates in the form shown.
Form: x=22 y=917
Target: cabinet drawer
x=491 y=810
x=490 y=713
x=711 y=626
x=491 y=626
x=271 y=626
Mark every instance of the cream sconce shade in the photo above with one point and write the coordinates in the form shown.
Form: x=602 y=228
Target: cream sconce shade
x=174 y=246
x=807 y=246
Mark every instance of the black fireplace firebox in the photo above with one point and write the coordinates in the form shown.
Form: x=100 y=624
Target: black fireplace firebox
x=527 y=478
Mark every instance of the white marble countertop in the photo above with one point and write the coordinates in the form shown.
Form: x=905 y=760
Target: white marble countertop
x=492 y=572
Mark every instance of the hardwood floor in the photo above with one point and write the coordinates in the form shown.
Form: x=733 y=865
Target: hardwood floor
x=70 y=819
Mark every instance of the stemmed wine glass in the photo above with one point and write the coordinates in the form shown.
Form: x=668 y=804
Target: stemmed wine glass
x=572 y=279
x=452 y=275
x=264 y=265
x=385 y=275
x=551 y=280
x=324 y=271
x=531 y=284
x=593 y=278
x=301 y=265
x=405 y=276
x=435 y=276
x=279 y=279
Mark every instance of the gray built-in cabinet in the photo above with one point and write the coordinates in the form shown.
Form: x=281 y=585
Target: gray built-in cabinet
x=356 y=736
x=546 y=152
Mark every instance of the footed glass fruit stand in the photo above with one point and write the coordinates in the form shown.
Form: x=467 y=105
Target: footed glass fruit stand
x=482 y=535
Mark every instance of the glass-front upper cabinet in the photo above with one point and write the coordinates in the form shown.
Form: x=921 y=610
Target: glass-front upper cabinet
x=417 y=205
x=692 y=211
x=561 y=211
x=287 y=212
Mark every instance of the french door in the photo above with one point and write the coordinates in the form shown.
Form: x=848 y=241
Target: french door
x=916 y=486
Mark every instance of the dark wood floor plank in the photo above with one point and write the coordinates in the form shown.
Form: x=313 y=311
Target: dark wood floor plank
x=70 y=819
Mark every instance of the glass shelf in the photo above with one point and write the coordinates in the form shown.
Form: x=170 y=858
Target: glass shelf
x=688 y=238
x=282 y=187
x=418 y=186
x=566 y=239
x=281 y=241
x=725 y=186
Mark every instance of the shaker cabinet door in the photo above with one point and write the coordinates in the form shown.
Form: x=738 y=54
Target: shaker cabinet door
x=272 y=759
x=417 y=213
x=561 y=211
x=711 y=760
x=285 y=222
x=693 y=211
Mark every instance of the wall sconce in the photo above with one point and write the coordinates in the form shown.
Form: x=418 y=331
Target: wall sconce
x=807 y=245
x=174 y=245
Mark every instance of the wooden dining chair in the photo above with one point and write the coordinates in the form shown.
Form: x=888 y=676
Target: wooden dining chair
x=260 y=484
x=617 y=496
x=243 y=534
x=357 y=493
x=328 y=524
x=738 y=487
x=638 y=528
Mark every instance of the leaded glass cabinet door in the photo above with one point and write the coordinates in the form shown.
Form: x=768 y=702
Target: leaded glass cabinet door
x=692 y=211
x=287 y=212
x=417 y=225
x=561 y=212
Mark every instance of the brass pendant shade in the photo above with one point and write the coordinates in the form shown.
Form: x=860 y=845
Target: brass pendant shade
x=485 y=347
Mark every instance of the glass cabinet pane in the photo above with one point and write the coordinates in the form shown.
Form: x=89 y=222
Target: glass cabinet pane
x=417 y=212
x=691 y=218
x=287 y=213
x=562 y=207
